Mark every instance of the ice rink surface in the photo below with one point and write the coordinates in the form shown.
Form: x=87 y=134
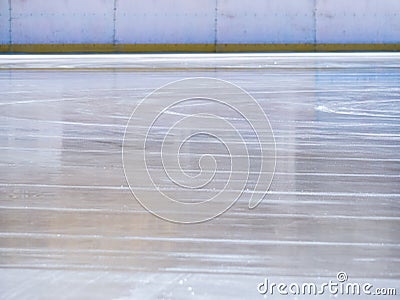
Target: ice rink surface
x=71 y=229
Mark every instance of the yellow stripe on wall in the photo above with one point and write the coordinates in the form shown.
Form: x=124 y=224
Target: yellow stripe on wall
x=140 y=48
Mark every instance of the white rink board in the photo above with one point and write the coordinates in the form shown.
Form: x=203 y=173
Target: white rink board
x=4 y=23
x=259 y=21
x=62 y=22
x=200 y=22
x=358 y=21
x=173 y=21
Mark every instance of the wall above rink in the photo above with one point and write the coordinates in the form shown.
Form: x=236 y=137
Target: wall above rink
x=198 y=26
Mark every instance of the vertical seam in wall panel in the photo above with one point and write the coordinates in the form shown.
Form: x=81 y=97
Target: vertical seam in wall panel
x=216 y=26
x=9 y=24
x=315 y=24
x=114 y=20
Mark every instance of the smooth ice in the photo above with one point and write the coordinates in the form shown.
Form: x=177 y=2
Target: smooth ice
x=71 y=229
